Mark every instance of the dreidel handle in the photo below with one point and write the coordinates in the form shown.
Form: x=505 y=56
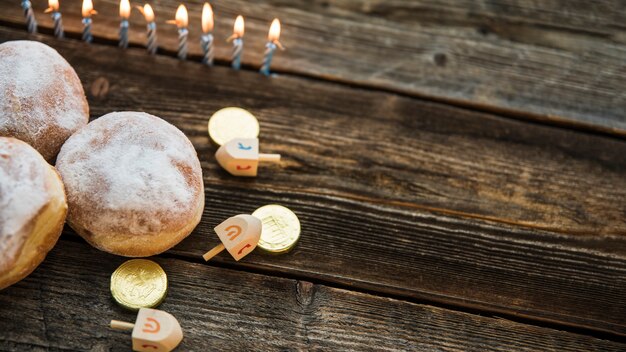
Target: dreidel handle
x=121 y=325
x=272 y=158
x=213 y=252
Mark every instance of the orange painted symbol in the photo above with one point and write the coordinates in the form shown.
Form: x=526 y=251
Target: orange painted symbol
x=244 y=247
x=152 y=329
x=234 y=231
x=239 y=167
x=147 y=345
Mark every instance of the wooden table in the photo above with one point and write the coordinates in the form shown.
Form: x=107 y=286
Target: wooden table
x=458 y=167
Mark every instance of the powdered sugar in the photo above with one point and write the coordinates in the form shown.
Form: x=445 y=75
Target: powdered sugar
x=39 y=91
x=22 y=193
x=129 y=163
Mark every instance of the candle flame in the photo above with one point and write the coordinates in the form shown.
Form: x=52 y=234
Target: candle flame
x=207 y=18
x=274 y=33
x=147 y=12
x=124 y=9
x=182 y=19
x=88 y=8
x=239 y=27
x=53 y=5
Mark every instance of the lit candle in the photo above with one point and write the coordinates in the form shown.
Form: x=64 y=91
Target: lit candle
x=124 y=14
x=206 y=41
x=237 y=39
x=270 y=47
x=181 y=22
x=53 y=6
x=87 y=12
x=31 y=23
x=151 y=27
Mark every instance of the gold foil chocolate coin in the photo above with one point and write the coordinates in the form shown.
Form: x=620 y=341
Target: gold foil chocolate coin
x=281 y=228
x=139 y=283
x=230 y=123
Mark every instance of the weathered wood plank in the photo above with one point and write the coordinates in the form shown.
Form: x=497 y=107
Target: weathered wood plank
x=66 y=305
x=578 y=281
x=603 y=19
x=362 y=199
x=481 y=55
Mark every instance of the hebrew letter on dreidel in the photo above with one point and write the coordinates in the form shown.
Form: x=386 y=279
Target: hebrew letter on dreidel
x=152 y=326
x=233 y=231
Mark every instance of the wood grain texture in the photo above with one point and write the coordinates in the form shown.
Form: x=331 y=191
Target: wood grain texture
x=377 y=147
x=550 y=61
x=573 y=280
x=221 y=309
x=363 y=201
x=602 y=18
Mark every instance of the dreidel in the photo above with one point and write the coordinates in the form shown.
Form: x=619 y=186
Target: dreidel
x=240 y=157
x=239 y=235
x=154 y=330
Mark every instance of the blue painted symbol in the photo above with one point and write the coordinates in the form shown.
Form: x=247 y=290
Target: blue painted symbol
x=241 y=146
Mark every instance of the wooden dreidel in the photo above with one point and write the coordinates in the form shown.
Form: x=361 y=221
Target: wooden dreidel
x=239 y=235
x=154 y=330
x=241 y=157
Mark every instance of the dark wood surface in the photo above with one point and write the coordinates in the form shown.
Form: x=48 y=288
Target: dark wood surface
x=557 y=61
x=236 y=310
x=426 y=226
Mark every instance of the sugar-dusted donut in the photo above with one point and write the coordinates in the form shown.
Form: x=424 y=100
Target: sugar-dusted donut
x=32 y=209
x=134 y=184
x=42 y=101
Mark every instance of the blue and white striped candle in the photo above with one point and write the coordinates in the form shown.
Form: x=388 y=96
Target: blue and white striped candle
x=181 y=21
x=148 y=13
x=270 y=47
x=206 y=40
x=87 y=11
x=183 y=34
x=237 y=39
x=53 y=7
x=31 y=22
x=124 y=14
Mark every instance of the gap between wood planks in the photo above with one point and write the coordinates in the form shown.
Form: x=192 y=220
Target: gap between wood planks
x=469 y=309
x=524 y=116
x=438 y=210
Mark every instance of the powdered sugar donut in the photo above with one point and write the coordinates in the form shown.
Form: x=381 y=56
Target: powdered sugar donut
x=42 y=101
x=134 y=184
x=32 y=209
